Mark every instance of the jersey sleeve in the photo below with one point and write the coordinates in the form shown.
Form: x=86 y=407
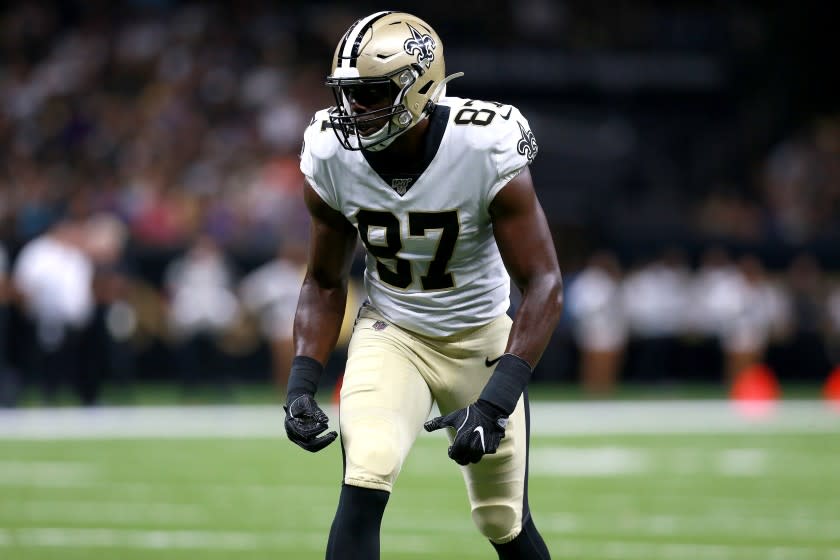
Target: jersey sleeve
x=515 y=147
x=313 y=155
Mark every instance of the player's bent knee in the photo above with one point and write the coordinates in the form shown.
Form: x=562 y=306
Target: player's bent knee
x=499 y=523
x=373 y=464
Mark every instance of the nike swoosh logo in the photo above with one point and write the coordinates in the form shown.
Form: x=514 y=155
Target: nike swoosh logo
x=506 y=117
x=480 y=431
x=489 y=363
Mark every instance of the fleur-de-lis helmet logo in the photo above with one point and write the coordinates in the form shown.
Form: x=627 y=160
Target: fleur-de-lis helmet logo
x=423 y=45
x=527 y=145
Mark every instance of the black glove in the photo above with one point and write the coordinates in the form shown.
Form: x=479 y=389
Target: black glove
x=305 y=421
x=479 y=429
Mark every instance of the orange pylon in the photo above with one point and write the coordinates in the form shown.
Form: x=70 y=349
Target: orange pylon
x=755 y=391
x=831 y=389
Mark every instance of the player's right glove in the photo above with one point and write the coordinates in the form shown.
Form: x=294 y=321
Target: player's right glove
x=479 y=428
x=305 y=420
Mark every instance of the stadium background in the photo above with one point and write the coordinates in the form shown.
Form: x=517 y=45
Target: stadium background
x=667 y=133
x=689 y=165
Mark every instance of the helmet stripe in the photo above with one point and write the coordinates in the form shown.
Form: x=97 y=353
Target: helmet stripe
x=353 y=39
x=344 y=42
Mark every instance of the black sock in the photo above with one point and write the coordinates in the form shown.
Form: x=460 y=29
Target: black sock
x=528 y=545
x=355 y=530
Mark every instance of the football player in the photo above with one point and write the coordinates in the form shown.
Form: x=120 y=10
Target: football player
x=438 y=190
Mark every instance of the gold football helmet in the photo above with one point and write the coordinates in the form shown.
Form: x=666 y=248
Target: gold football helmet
x=387 y=74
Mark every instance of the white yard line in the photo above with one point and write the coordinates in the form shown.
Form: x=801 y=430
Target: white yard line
x=58 y=473
x=548 y=418
x=610 y=461
x=157 y=491
x=596 y=525
x=736 y=518
x=612 y=549
x=199 y=540
x=711 y=524
x=606 y=461
x=53 y=537
x=710 y=503
x=80 y=511
x=631 y=550
x=603 y=526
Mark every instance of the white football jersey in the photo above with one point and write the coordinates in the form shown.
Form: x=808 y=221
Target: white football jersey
x=432 y=265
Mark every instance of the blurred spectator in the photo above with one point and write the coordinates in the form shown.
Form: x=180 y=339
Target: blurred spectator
x=8 y=378
x=114 y=320
x=53 y=276
x=763 y=313
x=724 y=213
x=833 y=327
x=270 y=293
x=599 y=324
x=654 y=298
x=714 y=293
x=810 y=314
x=202 y=308
x=801 y=182
x=712 y=305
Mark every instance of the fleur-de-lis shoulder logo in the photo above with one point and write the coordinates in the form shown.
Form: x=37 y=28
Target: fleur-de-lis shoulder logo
x=527 y=145
x=423 y=45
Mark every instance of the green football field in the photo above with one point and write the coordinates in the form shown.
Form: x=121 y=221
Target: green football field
x=625 y=481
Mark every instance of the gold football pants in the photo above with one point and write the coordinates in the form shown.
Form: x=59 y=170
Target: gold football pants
x=392 y=378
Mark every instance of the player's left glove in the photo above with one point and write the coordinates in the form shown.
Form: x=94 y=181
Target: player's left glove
x=479 y=428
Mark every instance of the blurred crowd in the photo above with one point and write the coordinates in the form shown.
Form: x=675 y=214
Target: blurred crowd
x=668 y=319
x=74 y=317
x=794 y=199
x=176 y=123
x=149 y=190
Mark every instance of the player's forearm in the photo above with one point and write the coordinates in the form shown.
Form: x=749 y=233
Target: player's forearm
x=320 y=313
x=536 y=317
x=542 y=303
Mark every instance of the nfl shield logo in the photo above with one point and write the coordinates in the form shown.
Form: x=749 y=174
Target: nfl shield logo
x=401 y=185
